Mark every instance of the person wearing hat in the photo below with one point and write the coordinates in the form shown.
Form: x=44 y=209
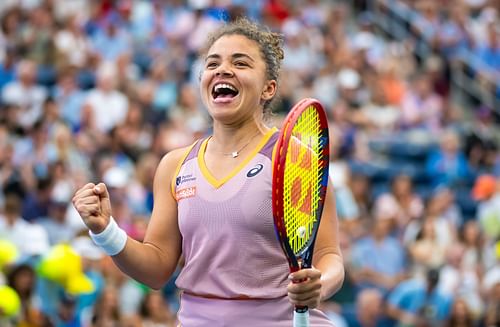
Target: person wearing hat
x=487 y=192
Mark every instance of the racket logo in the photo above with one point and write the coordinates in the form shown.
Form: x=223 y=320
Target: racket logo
x=298 y=194
x=254 y=171
x=301 y=156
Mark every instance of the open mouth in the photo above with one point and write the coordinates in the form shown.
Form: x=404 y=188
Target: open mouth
x=224 y=91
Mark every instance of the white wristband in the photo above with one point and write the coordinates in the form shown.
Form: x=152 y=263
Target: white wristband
x=112 y=239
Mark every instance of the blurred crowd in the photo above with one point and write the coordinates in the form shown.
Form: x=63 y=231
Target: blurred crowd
x=101 y=90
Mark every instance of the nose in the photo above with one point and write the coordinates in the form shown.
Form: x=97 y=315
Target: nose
x=224 y=71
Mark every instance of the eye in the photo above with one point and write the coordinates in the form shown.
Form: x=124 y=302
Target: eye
x=211 y=64
x=240 y=64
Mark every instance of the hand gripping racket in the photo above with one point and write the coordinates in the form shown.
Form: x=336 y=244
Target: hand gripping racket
x=300 y=178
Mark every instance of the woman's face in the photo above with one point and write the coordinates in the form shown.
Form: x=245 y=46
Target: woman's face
x=233 y=82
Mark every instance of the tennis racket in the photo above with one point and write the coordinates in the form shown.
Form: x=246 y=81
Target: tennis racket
x=300 y=178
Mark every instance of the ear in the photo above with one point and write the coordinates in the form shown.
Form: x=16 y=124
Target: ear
x=269 y=90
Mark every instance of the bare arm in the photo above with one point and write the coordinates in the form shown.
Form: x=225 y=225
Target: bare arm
x=154 y=260
x=327 y=255
x=327 y=275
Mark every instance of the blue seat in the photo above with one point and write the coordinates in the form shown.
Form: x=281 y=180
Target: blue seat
x=46 y=75
x=85 y=79
x=467 y=204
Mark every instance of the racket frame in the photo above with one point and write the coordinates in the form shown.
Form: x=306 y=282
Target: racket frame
x=303 y=259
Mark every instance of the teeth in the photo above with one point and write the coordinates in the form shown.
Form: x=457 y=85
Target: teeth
x=226 y=86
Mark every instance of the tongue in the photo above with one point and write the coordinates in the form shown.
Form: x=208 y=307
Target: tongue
x=224 y=98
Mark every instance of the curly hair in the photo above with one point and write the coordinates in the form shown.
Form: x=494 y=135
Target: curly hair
x=270 y=45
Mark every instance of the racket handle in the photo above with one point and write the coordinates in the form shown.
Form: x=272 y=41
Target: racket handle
x=301 y=317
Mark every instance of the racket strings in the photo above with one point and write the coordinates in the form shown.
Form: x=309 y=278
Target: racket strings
x=302 y=178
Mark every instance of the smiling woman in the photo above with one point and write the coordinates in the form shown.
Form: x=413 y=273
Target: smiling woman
x=217 y=212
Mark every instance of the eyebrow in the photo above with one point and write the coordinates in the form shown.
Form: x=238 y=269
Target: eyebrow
x=233 y=56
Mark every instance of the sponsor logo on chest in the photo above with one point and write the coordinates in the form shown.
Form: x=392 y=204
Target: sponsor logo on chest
x=255 y=170
x=185 y=193
x=184 y=178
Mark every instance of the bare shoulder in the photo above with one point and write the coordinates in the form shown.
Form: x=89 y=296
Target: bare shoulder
x=171 y=159
x=169 y=164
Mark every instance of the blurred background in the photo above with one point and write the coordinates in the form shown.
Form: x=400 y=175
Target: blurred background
x=101 y=90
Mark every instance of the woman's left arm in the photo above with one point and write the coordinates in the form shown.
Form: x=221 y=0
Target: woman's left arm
x=311 y=286
x=327 y=254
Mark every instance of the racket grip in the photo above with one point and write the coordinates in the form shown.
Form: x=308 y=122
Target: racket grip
x=301 y=317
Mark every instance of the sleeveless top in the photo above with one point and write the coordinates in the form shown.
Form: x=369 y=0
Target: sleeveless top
x=228 y=239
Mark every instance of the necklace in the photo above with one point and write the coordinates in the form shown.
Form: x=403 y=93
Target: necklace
x=236 y=153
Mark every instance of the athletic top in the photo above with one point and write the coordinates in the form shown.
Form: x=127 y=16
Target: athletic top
x=228 y=238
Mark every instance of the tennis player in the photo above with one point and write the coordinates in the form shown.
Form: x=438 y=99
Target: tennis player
x=212 y=204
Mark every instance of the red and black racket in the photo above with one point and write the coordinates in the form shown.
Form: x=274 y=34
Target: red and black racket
x=300 y=179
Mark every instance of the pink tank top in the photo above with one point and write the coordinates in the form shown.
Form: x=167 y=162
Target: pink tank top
x=228 y=237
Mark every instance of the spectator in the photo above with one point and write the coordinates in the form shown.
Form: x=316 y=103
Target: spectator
x=155 y=312
x=361 y=190
x=7 y=68
x=25 y=93
x=418 y=301
x=481 y=144
x=378 y=116
x=427 y=23
x=15 y=229
x=140 y=190
x=165 y=92
x=472 y=239
x=461 y=282
x=69 y=98
x=72 y=46
x=454 y=34
x=91 y=257
x=391 y=82
x=460 y=315
x=66 y=315
x=106 y=97
x=369 y=311
x=447 y=166
x=426 y=251
x=421 y=106
x=111 y=41
x=492 y=317
x=378 y=259
x=487 y=192
x=489 y=50
x=188 y=111
x=10 y=32
x=37 y=36
x=58 y=228
x=106 y=310
x=437 y=224
x=407 y=204
x=22 y=278
x=36 y=203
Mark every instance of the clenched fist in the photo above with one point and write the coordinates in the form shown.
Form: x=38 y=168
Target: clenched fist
x=92 y=203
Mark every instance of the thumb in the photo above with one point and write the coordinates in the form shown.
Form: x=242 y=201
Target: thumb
x=102 y=191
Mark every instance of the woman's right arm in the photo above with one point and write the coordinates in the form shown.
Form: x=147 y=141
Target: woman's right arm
x=153 y=261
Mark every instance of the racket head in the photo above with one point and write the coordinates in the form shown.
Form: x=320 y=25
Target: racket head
x=300 y=179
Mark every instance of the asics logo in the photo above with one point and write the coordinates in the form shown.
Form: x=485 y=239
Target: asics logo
x=255 y=170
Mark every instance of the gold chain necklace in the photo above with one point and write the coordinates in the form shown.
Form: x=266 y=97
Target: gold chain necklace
x=234 y=154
